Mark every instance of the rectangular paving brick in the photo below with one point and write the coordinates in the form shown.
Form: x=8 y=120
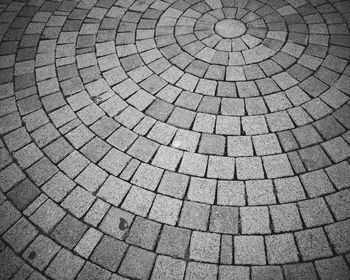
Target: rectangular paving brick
x=194 y=215
x=137 y=263
x=224 y=219
x=165 y=209
x=109 y=253
x=88 y=242
x=69 y=231
x=47 y=215
x=65 y=265
x=255 y=220
x=205 y=247
x=249 y=250
x=174 y=241
x=43 y=249
x=20 y=234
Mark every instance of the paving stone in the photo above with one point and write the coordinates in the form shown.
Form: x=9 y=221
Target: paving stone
x=6 y=158
x=197 y=270
x=17 y=139
x=338 y=203
x=193 y=164
x=20 y=234
x=226 y=252
x=194 y=215
x=69 y=231
x=300 y=271
x=269 y=272
x=10 y=263
x=204 y=123
x=212 y=144
x=227 y=125
x=96 y=212
x=232 y=106
x=47 y=215
x=337 y=233
x=202 y=190
x=173 y=184
x=24 y=272
x=315 y=212
x=337 y=149
x=10 y=214
x=130 y=117
x=313 y=244
x=224 y=219
x=233 y=272
x=144 y=125
x=279 y=121
x=143 y=233
x=306 y=135
x=334 y=268
x=169 y=268
x=88 y=242
x=92 y=271
x=255 y=106
x=255 y=220
x=249 y=168
x=23 y=194
x=181 y=118
x=114 y=162
x=64 y=265
x=231 y=193
x=143 y=149
x=165 y=209
x=91 y=178
x=116 y=222
x=137 y=263
x=205 y=247
x=281 y=249
x=285 y=217
x=42 y=171
x=260 y=192
x=277 y=166
x=253 y=125
x=109 y=253
x=113 y=190
x=329 y=127
x=239 y=146
x=266 y=144
x=58 y=150
x=79 y=136
x=138 y=201
x=40 y=252
x=221 y=167
x=316 y=183
x=147 y=176
x=167 y=158
x=249 y=250
x=9 y=122
x=78 y=202
x=174 y=241
x=289 y=189
x=58 y=186
x=159 y=110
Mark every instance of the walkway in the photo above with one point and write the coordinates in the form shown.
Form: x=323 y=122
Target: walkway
x=175 y=139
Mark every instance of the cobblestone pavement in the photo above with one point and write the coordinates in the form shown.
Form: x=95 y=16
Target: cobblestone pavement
x=175 y=139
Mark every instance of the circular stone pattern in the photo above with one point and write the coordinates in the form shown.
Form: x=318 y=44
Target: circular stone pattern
x=176 y=139
x=230 y=28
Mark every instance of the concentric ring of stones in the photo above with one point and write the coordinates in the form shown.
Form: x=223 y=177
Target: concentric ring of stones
x=174 y=139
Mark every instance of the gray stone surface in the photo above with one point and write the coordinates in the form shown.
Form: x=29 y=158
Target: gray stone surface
x=174 y=139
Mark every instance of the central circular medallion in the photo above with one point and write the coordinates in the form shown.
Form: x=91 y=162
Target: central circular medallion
x=230 y=28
